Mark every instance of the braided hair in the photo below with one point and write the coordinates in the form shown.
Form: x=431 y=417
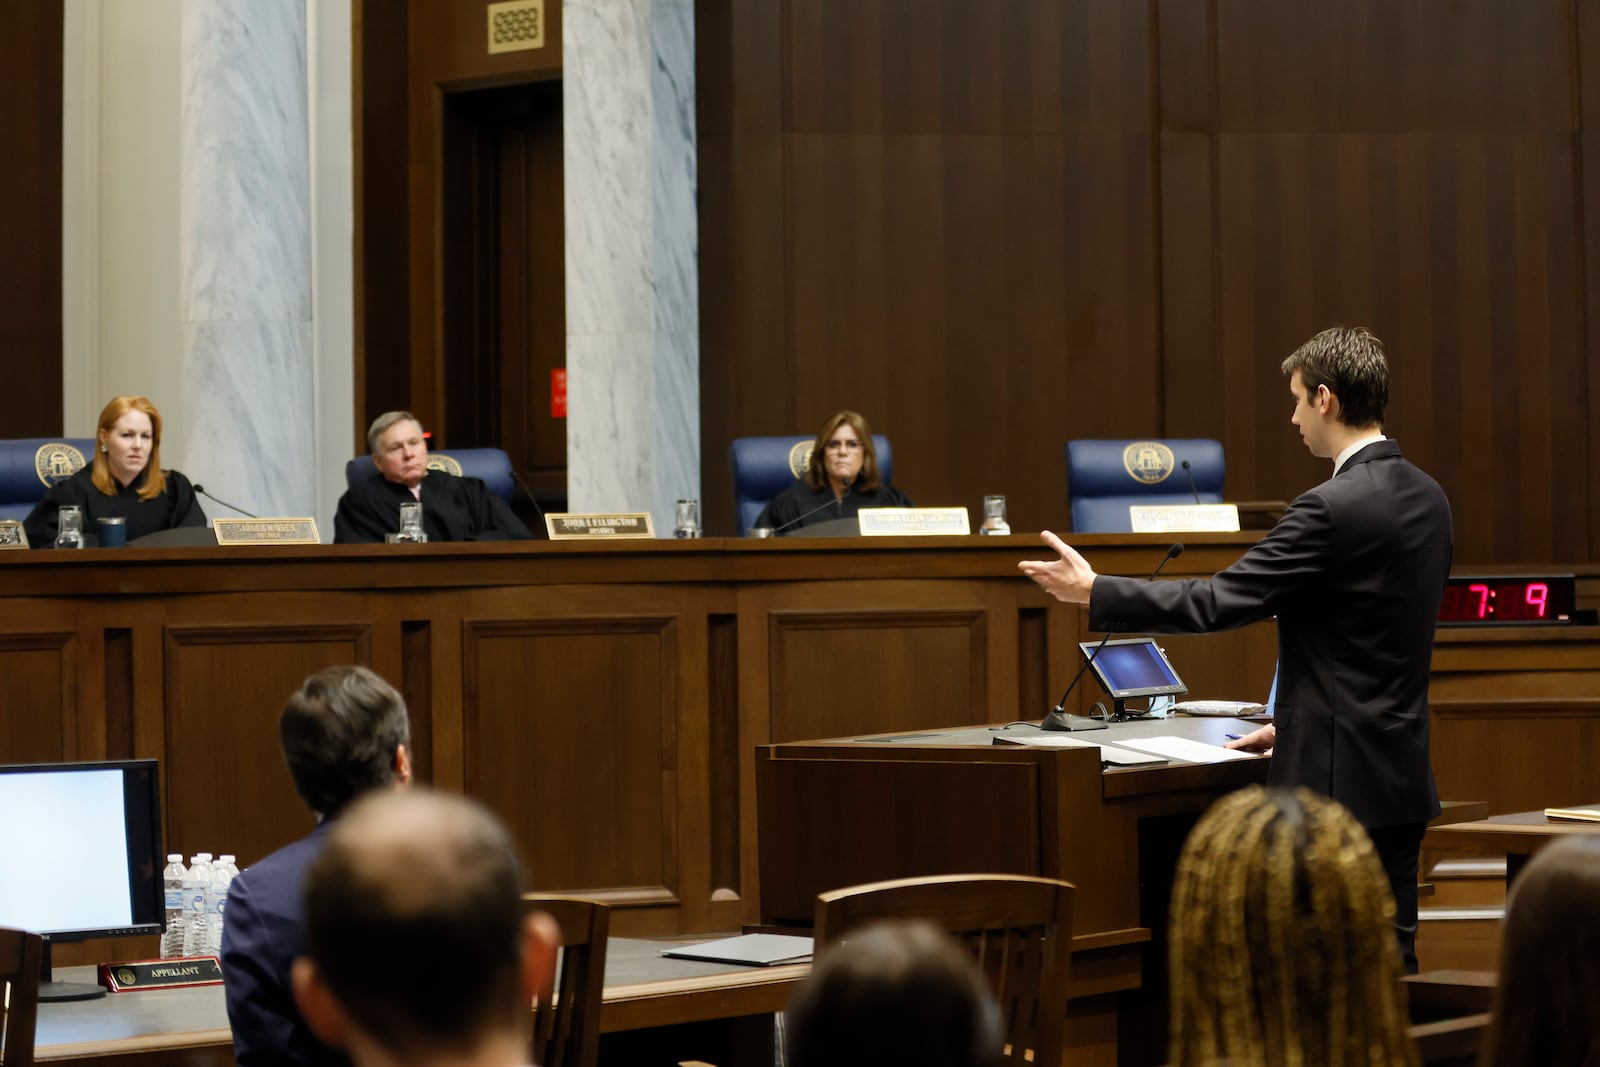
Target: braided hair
x=1282 y=950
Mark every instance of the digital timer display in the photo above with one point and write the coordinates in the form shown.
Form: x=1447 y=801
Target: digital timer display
x=1502 y=600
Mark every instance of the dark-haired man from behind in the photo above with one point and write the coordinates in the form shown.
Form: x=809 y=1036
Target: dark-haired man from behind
x=1354 y=572
x=345 y=733
x=418 y=952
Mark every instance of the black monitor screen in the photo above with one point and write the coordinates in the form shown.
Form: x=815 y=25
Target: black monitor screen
x=1134 y=668
x=82 y=843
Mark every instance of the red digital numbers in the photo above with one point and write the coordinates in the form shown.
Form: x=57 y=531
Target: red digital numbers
x=1485 y=594
x=1536 y=597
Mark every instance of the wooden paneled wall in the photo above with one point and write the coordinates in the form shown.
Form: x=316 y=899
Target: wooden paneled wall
x=997 y=227
x=30 y=218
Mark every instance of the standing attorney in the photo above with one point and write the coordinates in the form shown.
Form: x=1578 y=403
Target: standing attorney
x=124 y=480
x=453 y=509
x=1354 y=571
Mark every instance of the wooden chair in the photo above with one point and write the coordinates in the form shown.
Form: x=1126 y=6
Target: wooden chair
x=1019 y=929
x=566 y=1029
x=20 y=954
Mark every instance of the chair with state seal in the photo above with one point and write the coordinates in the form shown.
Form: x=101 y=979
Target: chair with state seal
x=1105 y=478
x=31 y=466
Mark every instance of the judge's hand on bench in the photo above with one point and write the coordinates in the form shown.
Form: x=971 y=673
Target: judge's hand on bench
x=1260 y=740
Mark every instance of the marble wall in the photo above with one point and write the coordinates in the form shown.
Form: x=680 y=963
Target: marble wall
x=244 y=241
x=633 y=327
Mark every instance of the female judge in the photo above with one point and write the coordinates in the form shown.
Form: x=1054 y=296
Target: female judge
x=841 y=479
x=125 y=480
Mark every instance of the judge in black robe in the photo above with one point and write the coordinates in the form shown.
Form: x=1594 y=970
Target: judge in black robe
x=841 y=479
x=453 y=509
x=116 y=483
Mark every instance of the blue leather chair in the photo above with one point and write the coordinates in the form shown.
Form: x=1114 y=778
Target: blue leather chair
x=1105 y=478
x=490 y=464
x=30 y=466
x=763 y=467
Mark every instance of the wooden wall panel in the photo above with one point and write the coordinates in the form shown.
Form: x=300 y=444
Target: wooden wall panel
x=539 y=691
x=226 y=787
x=998 y=227
x=849 y=672
x=39 y=676
x=30 y=218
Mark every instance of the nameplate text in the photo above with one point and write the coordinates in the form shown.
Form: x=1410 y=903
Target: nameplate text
x=160 y=974
x=909 y=522
x=565 y=526
x=1184 y=518
x=12 y=535
x=266 y=531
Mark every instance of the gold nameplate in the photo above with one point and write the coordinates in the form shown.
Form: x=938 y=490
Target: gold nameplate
x=160 y=974
x=909 y=522
x=266 y=531
x=516 y=26
x=12 y=535
x=1184 y=518
x=566 y=527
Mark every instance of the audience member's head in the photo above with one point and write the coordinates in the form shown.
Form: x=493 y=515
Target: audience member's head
x=1281 y=946
x=1547 y=1002
x=343 y=733
x=895 y=992
x=417 y=947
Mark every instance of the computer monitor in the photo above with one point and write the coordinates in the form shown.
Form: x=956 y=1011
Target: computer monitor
x=1131 y=668
x=82 y=846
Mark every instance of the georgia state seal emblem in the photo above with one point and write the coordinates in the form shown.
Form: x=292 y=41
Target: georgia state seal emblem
x=800 y=458
x=1148 y=462
x=447 y=464
x=56 y=461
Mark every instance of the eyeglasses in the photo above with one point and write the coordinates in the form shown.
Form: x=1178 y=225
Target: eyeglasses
x=843 y=446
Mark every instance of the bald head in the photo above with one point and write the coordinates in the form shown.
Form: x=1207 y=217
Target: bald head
x=414 y=923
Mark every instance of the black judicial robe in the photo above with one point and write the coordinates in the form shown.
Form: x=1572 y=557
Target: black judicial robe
x=783 y=510
x=453 y=509
x=176 y=505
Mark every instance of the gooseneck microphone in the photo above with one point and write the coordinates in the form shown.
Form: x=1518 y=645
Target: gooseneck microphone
x=531 y=497
x=1059 y=718
x=803 y=516
x=231 y=507
x=1192 y=487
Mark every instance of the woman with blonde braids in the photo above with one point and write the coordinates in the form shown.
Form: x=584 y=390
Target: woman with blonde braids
x=1281 y=948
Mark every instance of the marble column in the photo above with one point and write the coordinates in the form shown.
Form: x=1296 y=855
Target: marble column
x=245 y=303
x=632 y=250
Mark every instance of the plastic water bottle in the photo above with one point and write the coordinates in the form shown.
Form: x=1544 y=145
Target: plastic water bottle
x=217 y=900
x=172 y=885
x=196 y=922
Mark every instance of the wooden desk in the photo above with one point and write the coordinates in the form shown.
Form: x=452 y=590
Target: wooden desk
x=645 y=994
x=1517 y=837
x=856 y=810
x=605 y=699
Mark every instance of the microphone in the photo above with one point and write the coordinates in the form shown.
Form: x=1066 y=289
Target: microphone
x=803 y=516
x=1059 y=718
x=1192 y=487
x=531 y=497
x=231 y=507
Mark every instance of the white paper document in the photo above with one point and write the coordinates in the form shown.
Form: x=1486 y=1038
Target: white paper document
x=1117 y=757
x=1181 y=748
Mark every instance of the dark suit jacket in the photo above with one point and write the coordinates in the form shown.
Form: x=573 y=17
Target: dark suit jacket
x=1354 y=572
x=262 y=933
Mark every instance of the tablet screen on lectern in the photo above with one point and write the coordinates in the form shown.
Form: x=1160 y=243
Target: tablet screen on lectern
x=1133 y=667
